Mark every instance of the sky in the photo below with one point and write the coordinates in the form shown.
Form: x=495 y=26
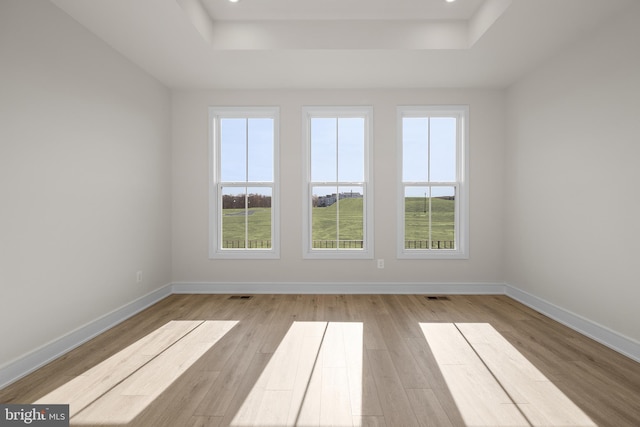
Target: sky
x=247 y=159
x=338 y=151
x=429 y=153
x=337 y=154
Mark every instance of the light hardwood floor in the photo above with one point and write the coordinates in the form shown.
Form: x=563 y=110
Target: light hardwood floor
x=339 y=360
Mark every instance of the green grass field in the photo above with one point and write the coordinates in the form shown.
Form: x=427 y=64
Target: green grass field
x=350 y=226
x=325 y=226
x=417 y=221
x=259 y=227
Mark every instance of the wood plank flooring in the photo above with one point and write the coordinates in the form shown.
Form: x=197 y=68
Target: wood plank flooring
x=339 y=360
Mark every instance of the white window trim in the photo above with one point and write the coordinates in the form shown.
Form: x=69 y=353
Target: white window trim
x=462 y=172
x=367 y=251
x=215 y=198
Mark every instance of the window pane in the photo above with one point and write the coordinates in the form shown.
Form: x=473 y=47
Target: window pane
x=350 y=217
x=259 y=217
x=244 y=145
x=415 y=146
x=416 y=217
x=429 y=217
x=233 y=217
x=337 y=170
x=443 y=217
x=351 y=149
x=233 y=150
x=324 y=213
x=434 y=194
x=261 y=134
x=323 y=149
x=443 y=149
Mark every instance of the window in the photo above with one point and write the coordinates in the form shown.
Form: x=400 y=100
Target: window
x=433 y=199
x=338 y=203
x=244 y=189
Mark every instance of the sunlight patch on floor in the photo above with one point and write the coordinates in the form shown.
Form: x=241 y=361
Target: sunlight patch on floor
x=115 y=391
x=493 y=384
x=313 y=378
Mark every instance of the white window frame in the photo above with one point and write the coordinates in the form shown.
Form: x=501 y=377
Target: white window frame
x=461 y=184
x=215 y=184
x=367 y=251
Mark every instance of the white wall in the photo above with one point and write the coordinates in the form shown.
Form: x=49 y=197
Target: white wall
x=84 y=178
x=190 y=190
x=572 y=197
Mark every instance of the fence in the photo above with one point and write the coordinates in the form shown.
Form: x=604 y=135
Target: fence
x=333 y=244
x=251 y=244
x=424 y=244
x=342 y=244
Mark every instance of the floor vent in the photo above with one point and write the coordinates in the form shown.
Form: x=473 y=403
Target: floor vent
x=240 y=297
x=436 y=298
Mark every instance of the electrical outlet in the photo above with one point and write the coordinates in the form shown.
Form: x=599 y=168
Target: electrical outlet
x=139 y=277
x=380 y=263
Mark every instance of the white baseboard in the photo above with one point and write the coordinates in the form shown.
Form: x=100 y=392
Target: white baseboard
x=337 y=288
x=50 y=351
x=41 y=356
x=595 y=331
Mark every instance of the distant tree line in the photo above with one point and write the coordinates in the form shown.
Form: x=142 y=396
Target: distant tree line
x=237 y=201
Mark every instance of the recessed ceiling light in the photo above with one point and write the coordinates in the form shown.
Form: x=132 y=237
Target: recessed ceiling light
x=448 y=1
x=236 y=1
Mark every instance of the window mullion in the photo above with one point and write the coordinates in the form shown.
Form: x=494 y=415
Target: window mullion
x=246 y=178
x=337 y=186
x=429 y=235
x=220 y=214
x=430 y=228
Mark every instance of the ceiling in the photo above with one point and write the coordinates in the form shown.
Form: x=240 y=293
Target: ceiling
x=340 y=9
x=277 y=44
